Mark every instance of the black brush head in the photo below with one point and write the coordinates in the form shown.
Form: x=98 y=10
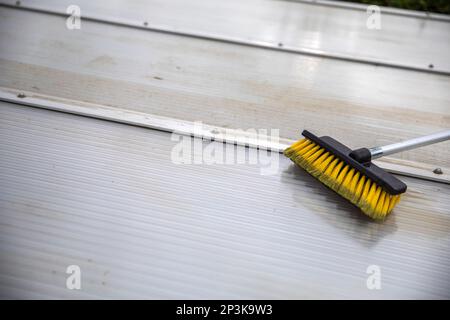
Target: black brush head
x=384 y=179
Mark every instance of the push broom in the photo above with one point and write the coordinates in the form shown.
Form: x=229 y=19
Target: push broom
x=352 y=174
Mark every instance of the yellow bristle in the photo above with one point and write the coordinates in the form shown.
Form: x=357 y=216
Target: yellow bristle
x=348 y=182
x=302 y=150
x=322 y=166
x=359 y=189
x=371 y=203
x=303 y=160
x=323 y=161
x=300 y=142
x=341 y=177
x=372 y=197
x=329 y=170
x=387 y=200
x=334 y=175
x=313 y=157
x=394 y=201
x=316 y=163
x=296 y=146
x=380 y=203
x=365 y=192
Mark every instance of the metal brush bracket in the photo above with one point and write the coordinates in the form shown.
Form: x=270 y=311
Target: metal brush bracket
x=364 y=155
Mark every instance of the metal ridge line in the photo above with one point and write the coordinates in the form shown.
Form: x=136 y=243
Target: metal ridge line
x=144 y=25
x=189 y=128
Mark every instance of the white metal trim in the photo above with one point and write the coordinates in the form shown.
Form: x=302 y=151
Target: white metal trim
x=205 y=131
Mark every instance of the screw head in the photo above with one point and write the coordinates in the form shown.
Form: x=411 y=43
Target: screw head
x=438 y=171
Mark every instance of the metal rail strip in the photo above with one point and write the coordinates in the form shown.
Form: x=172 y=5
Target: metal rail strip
x=434 y=64
x=204 y=131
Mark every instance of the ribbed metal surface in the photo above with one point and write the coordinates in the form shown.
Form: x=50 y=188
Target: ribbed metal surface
x=107 y=197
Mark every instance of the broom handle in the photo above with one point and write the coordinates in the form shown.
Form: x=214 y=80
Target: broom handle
x=378 y=152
